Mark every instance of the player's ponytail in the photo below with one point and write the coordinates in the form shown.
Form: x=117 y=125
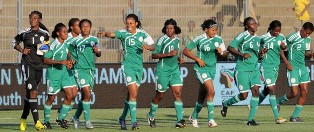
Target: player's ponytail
x=139 y=24
x=42 y=26
x=57 y=28
x=274 y=24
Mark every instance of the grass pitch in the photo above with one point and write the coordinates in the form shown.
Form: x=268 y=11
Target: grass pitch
x=106 y=120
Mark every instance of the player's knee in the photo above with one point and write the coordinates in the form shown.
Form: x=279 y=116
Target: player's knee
x=304 y=92
x=33 y=94
x=271 y=90
x=243 y=96
x=294 y=94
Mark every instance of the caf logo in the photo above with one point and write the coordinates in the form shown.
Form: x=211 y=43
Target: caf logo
x=82 y=81
x=128 y=79
x=204 y=75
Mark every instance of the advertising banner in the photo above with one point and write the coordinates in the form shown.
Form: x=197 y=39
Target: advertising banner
x=110 y=90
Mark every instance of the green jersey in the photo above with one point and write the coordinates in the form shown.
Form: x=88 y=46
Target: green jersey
x=85 y=52
x=246 y=43
x=165 y=45
x=71 y=47
x=59 y=52
x=132 y=46
x=273 y=44
x=296 y=49
x=206 y=49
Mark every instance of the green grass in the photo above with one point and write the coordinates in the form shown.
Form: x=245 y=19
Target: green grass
x=106 y=120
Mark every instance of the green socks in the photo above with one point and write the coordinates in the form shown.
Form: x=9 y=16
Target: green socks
x=70 y=108
x=297 y=111
x=282 y=99
x=125 y=110
x=253 y=107
x=233 y=100
x=273 y=104
x=210 y=109
x=64 y=111
x=132 y=107
x=86 y=108
x=47 y=111
x=153 y=109
x=179 y=110
x=197 y=109
x=79 y=110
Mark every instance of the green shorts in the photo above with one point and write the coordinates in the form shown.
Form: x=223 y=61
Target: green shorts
x=297 y=76
x=55 y=86
x=245 y=80
x=132 y=75
x=166 y=80
x=204 y=75
x=270 y=75
x=84 y=78
x=72 y=78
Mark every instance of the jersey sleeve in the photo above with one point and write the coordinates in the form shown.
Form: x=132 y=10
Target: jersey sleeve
x=289 y=39
x=97 y=44
x=158 y=47
x=119 y=34
x=17 y=39
x=193 y=44
x=148 y=39
x=48 y=54
x=236 y=41
x=306 y=2
x=222 y=46
x=308 y=45
x=284 y=40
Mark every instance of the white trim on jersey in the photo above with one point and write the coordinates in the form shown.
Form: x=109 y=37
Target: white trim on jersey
x=162 y=60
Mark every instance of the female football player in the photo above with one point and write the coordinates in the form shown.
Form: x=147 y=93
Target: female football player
x=87 y=47
x=134 y=40
x=167 y=71
x=32 y=64
x=298 y=78
x=246 y=46
x=208 y=46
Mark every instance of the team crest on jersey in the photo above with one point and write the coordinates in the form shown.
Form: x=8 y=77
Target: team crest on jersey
x=29 y=86
x=292 y=80
x=204 y=75
x=140 y=39
x=240 y=87
x=216 y=44
x=50 y=89
x=128 y=79
x=92 y=43
x=268 y=81
x=307 y=46
x=159 y=86
x=42 y=38
x=82 y=81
